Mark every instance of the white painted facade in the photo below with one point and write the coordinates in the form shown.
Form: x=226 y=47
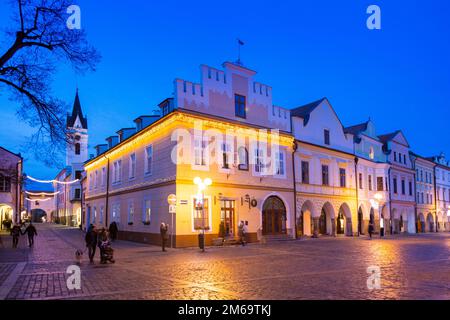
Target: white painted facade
x=402 y=186
x=325 y=172
x=442 y=174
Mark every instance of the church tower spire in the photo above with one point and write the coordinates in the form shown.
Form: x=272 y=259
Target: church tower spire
x=77 y=146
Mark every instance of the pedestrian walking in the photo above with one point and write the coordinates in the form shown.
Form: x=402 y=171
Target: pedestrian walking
x=370 y=229
x=31 y=232
x=91 y=242
x=163 y=229
x=241 y=233
x=113 y=230
x=15 y=233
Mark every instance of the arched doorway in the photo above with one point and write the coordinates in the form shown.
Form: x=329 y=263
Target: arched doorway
x=6 y=216
x=305 y=221
x=430 y=223
x=421 y=223
x=274 y=216
x=325 y=220
x=344 y=220
x=402 y=224
x=38 y=215
x=360 y=221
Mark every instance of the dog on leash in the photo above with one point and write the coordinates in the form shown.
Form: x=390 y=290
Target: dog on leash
x=78 y=256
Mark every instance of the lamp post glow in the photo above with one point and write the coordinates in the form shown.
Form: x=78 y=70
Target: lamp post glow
x=376 y=203
x=202 y=184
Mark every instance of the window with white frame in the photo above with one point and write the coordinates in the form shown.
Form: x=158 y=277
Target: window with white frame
x=200 y=150
x=201 y=214
x=226 y=155
x=130 y=212
x=115 y=214
x=91 y=181
x=148 y=159
x=279 y=163
x=96 y=179
x=103 y=176
x=146 y=213
x=259 y=160
x=243 y=158
x=132 y=167
x=117 y=171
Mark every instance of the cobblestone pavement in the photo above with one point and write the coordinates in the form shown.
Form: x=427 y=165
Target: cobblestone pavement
x=412 y=267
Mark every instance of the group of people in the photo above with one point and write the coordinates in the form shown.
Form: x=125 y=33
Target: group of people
x=101 y=238
x=16 y=232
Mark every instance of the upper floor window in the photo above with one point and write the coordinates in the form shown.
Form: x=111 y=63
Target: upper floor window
x=342 y=177
x=96 y=179
x=360 y=180
x=78 y=174
x=148 y=159
x=403 y=187
x=371 y=153
x=132 y=168
x=379 y=183
x=410 y=188
x=200 y=152
x=394 y=182
x=77 y=148
x=117 y=171
x=279 y=163
x=370 y=182
x=325 y=177
x=5 y=184
x=243 y=158
x=77 y=193
x=326 y=136
x=305 y=172
x=103 y=176
x=404 y=159
x=395 y=156
x=259 y=160
x=226 y=155
x=239 y=105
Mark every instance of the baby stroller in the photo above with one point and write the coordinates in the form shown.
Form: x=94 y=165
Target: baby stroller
x=106 y=252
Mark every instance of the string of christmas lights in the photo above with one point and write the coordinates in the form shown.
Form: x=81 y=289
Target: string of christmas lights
x=31 y=200
x=53 y=181
x=42 y=193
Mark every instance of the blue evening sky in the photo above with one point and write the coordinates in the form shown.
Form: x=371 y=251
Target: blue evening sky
x=399 y=75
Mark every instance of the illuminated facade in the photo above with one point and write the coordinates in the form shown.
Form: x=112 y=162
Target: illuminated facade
x=425 y=193
x=10 y=188
x=68 y=200
x=442 y=174
x=372 y=173
x=401 y=186
x=220 y=129
x=325 y=172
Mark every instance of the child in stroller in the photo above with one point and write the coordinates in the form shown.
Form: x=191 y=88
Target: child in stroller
x=106 y=251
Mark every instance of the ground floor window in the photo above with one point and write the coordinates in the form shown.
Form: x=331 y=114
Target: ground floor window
x=201 y=213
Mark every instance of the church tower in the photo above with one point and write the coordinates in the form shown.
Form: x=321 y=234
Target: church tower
x=77 y=146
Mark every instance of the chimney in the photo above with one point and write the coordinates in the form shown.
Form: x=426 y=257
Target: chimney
x=112 y=141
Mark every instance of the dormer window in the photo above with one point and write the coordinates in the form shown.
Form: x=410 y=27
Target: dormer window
x=371 y=153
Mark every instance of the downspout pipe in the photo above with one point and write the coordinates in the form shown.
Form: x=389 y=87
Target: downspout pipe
x=435 y=199
x=357 y=188
x=294 y=149
x=107 y=193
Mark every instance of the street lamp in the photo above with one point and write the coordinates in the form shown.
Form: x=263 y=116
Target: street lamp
x=202 y=184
